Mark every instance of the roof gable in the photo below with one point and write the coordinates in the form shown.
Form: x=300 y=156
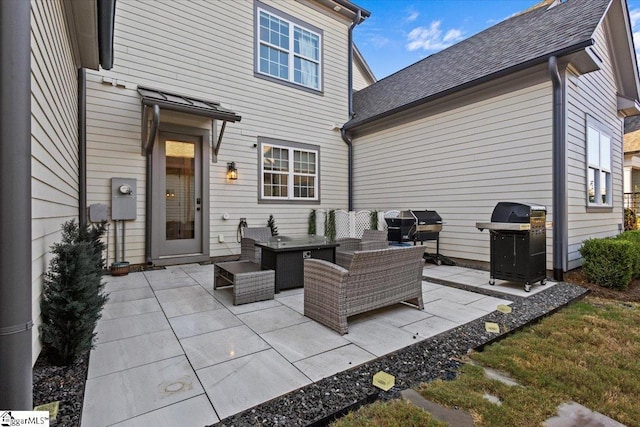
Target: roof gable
x=516 y=43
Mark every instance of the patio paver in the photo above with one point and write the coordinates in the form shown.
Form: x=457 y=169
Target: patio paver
x=171 y=328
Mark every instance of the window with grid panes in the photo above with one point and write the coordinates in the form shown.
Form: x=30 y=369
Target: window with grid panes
x=599 y=186
x=289 y=173
x=287 y=50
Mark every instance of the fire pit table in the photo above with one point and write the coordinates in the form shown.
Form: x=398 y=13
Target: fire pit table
x=286 y=256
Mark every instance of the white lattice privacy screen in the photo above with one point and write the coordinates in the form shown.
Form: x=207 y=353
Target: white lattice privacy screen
x=350 y=223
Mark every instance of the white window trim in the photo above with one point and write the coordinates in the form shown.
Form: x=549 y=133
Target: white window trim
x=290 y=174
x=293 y=23
x=601 y=130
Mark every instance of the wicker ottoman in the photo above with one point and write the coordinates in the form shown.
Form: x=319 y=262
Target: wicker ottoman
x=250 y=283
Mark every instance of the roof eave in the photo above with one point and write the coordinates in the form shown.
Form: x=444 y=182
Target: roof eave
x=354 y=124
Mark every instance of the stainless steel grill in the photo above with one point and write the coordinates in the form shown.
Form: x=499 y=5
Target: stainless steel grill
x=518 y=243
x=416 y=226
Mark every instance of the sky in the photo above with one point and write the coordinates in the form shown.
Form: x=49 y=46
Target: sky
x=401 y=32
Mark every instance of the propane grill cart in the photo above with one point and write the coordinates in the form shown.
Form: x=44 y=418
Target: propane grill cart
x=518 y=243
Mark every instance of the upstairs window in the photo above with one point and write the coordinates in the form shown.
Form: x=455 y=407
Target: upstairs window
x=288 y=50
x=599 y=186
x=289 y=171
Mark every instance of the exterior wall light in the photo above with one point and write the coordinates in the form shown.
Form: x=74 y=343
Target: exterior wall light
x=232 y=172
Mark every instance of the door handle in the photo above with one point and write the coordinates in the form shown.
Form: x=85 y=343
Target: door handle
x=198 y=201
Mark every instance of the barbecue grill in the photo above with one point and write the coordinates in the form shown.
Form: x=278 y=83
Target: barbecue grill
x=518 y=243
x=415 y=226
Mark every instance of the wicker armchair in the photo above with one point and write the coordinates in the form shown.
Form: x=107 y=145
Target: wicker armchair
x=371 y=239
x=375 y=279
x=250 y=236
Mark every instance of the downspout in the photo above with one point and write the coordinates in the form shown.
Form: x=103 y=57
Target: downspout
x=82 y=147
x=16 y=324
x=148 y=152
x=559 y=173
x=343 y=132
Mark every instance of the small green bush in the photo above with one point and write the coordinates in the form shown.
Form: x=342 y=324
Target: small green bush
x=271 y=223
x=633 y=236
x=630 y=219
x=73 y=297
x=608 y=262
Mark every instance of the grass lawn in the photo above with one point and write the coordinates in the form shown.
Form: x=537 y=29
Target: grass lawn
x=588 y=352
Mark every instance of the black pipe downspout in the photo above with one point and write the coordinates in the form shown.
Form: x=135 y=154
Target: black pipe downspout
x=106 y=20
x=343 y=132
x=16 y=380
x=559 y=173
x=148 y=203
x=349 y=143
x=82 y=147
x=148 y=151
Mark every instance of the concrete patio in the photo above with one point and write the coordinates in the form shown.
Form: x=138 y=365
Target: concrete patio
x=172 y=351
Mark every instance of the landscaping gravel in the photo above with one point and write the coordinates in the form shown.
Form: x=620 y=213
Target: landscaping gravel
x=433 y=358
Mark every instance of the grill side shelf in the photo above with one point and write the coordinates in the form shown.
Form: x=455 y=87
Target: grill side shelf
x=506 y=226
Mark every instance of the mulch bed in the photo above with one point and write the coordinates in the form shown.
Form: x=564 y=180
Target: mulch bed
x=61 y=383
x=632 y=294
x=66 y=384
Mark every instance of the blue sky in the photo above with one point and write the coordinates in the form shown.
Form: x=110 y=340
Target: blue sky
x=401 y=32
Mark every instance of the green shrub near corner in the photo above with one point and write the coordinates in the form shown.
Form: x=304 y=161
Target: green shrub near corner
x=609 y=262
x=633 y=236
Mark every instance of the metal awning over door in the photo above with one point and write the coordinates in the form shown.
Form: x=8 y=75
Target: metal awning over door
x=155 y=100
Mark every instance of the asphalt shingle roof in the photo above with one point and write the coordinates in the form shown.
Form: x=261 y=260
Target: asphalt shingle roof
x=523 y=39
x=632 y=134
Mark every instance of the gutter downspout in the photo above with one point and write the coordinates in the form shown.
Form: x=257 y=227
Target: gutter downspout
x=82 y=147
x=148 y=151
x=559 y=173
x=16 y=384
x=343 y=131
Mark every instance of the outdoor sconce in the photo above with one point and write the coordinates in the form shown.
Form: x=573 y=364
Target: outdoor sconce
x=232 y=172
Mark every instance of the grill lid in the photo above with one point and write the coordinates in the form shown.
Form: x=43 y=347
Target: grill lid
x=519 y=213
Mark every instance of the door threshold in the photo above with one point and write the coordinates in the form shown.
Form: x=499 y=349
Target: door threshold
x=180 y=259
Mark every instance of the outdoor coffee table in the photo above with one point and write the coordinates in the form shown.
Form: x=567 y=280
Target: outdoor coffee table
x=250 y=282
x=286 y=256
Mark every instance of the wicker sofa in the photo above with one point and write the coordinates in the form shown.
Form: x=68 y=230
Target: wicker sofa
x=375 y=279
x=371 y=239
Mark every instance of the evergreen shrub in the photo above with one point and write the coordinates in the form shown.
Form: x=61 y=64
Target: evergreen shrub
x=633 y=236
x=608 y=262
x=73 y=296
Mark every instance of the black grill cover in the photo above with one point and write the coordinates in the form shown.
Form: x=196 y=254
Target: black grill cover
x=512 y=212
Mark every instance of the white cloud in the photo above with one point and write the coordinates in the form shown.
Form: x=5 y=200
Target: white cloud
x=634 y=15
x=378 y=41
x=412 y=16
x=431 y=38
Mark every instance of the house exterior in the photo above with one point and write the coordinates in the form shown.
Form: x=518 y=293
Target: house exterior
x=529 y=110
x=43 y=44
x=141 y=111
x=197 y=86
x=260 y=84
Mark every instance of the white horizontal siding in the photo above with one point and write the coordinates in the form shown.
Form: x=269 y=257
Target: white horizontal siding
x=592 y=95
x=461 y=162
x=205 y=49
x=54 y=140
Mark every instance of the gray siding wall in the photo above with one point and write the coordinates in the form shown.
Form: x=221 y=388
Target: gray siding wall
x=54 y=140
x=592 y=95
x=205 y=49
x=360 y=78
x=461 y=162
